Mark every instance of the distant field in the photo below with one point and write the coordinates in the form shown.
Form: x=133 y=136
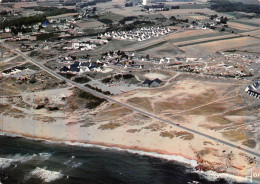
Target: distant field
x=255 y=33
x=242 y=27
x=151 y=46
x=89 y=24
x=199 y=17
x=203 y=49
x=206 y=40
x=190 y=12
x=198 y=37
x=62 y=15
x=194 y=6
x=249 y=22
x=131 y=11
x=188 y=34
x=111 y=16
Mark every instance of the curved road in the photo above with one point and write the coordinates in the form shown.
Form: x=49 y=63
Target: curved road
x=128 y=106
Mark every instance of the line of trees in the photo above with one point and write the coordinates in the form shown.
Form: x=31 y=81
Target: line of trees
x=226 y=6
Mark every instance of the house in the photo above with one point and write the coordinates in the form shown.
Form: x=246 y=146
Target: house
x=152 y=83
x=156 y=82
x=147 y=82
x=64 y=69
x=74 y=70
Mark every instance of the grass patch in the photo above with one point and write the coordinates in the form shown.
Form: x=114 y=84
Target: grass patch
x=81 y=79
x=91 y=100
x=132 y=130
x=109 y=126
x=207 y=109
x=87 y=124
x=30 y=66
x=185 y=135
x=206 y=151
x=118 y=113
x=4 y=107
x=218 y=119
x=167 y=134
x=142 y=102
x=235 y=135
x=182 y=134
x=238 y=112
x=44 y=119
x=67 y=75
x=249 y=143
x=153 y=127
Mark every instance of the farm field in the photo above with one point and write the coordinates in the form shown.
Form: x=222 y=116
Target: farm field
x=89 y=24
x=111 y=16
x=250 y=22
x=210 y=36
x=133 y=11
x=203 y=49
x=183 y=13
x=62 y=15
x=188 y=33
x=205 y=40
x=255 y=33
x=240 y=26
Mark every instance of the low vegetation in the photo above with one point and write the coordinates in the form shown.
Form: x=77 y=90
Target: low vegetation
x=109 y=126
x=182 y=134
x=91 y=100
x=249 y=143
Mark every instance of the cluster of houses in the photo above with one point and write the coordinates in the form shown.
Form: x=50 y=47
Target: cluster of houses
x=139 y=34
x=231 y=64
x=113 y=58
x=19 y=72
x=13 y=70
x=84 y=44
x=129 y=60
x=81 y=67
x=253 y=89
x=63 y=28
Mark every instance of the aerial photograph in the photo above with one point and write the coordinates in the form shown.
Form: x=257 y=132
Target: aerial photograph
x=129 y=91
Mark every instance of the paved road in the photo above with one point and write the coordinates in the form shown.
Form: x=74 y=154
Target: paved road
x=128 y=106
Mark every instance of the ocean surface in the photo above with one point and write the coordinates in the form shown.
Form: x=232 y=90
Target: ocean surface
x=34 y=162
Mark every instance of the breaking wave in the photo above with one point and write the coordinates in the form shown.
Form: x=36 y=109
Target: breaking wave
x=214 y=176
x=5 y=162
x=45 y=175
x=72 y=163
x=18 y=158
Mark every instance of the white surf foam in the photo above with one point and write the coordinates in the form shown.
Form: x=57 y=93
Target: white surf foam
x=44 y=156
x=5 y=162
x=72 y=163
x=19 y=158
x=46 y=175
x=180 y=159
x=214 y=176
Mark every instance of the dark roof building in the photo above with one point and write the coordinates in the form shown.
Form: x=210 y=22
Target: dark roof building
x=64 y=69
x=152 y=83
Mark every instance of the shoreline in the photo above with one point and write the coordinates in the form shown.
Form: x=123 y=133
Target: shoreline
x=178 y=158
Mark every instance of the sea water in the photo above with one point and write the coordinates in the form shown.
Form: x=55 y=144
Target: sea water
x=34 y=162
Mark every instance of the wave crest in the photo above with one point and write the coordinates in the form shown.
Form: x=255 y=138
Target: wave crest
x=46 y=175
